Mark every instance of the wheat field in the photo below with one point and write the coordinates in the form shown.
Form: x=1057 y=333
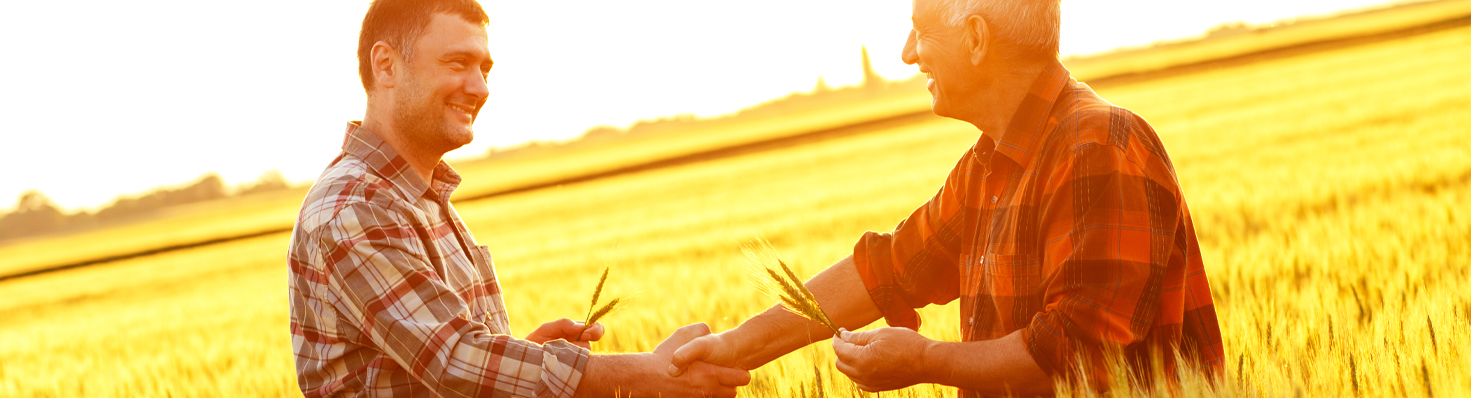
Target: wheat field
x=1330 y=192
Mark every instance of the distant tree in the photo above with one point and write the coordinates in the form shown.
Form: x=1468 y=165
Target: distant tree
x=270 y=181
x=822 y=86
x=34 y=214
x=209 y=187
x=601 y=131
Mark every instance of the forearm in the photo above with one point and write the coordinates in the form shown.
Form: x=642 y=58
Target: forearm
x=607 y=375
x=991 y=367
x=776 y=332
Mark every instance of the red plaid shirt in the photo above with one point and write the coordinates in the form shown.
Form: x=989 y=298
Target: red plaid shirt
x=390 y=295
x=1072 y=229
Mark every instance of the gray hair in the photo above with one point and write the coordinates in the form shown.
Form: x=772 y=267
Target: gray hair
x=1032 y=25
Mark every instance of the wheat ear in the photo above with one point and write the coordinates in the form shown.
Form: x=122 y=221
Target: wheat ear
x=787 y=287
x=596 y=294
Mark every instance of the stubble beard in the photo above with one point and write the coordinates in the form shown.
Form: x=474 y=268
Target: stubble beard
x=420 y=118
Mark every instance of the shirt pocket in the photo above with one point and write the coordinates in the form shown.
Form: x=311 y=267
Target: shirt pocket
x=1012 y=274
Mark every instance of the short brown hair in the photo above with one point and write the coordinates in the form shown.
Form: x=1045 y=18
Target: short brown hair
x=401 y=22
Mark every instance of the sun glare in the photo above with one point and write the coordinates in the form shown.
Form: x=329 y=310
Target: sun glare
x=175 y=95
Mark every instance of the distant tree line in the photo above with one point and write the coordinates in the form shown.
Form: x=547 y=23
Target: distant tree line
x=822 y=97
x=36 y=214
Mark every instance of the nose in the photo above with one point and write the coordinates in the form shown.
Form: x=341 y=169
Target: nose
x=476 y=87
x=910 y=55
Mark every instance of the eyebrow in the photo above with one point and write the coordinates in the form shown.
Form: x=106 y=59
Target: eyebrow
x=487 y=64
x=463 y=53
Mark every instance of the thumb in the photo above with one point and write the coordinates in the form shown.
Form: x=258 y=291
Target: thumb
x=861 y=338
x=695 y=350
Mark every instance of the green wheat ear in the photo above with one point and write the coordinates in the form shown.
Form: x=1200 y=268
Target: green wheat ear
x=784 y=285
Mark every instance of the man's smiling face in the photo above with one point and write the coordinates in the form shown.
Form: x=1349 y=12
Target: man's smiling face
x=939 y=52
x=444 y=88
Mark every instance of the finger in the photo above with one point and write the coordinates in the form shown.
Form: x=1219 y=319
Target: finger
x=551 y=331
x=695 y=350
x=846 y=351
x=681 y=337
x=848 y=369
x=731 y=377
x=722 y=392
x=691 y=331
x=593 y=333
x=566 y=328
x=843 y=333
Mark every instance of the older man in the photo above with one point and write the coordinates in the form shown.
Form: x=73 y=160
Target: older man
x=390 y=294
x=1063 y=232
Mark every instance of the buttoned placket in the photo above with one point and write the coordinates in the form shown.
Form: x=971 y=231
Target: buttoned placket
x=983 y=211
x=987 y=208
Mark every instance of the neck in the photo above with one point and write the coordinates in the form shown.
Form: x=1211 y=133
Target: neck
x=420 y=158
x=1002 y=97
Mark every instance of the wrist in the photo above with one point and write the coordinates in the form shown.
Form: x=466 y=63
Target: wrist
x=933 y=360
x=612 y=373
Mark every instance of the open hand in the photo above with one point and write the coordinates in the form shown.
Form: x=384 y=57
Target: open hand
x=882 y=359
x=567 y=329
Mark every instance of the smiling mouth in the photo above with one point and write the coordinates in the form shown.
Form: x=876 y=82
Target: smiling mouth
x=463 y=109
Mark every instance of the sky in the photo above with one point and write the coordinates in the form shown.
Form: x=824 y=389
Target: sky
x=105 y=98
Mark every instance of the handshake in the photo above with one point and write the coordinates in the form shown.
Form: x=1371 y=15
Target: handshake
x=649 y=374
x=693 y=362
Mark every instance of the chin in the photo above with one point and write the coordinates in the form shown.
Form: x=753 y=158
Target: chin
x=940 y=108
x=461 y=137
x=454 y=137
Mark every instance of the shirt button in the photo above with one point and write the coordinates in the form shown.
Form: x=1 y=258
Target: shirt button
x=972 y=320
x=994 y=199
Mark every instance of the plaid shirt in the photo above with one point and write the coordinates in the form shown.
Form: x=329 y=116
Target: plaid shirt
x=1072 y=229
x=390 y=295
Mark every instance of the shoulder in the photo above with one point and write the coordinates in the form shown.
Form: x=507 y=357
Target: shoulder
x=1089 y=126
x=1099 y=139
x=347 y=185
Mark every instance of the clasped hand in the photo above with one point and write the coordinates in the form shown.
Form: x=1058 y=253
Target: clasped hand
x=702 y=379
x=878 y=360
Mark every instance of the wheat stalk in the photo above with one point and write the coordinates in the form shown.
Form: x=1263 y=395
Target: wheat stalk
x=594 y=313
x=785 y=286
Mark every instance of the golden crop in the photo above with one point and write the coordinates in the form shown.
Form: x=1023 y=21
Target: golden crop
x=1330 y=193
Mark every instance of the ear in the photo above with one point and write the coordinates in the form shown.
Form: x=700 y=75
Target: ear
x=385 y=61
x=976 y=38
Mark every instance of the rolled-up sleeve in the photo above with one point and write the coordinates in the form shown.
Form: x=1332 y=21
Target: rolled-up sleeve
x=1109 y=237
x=916 y=264
x=393 y=296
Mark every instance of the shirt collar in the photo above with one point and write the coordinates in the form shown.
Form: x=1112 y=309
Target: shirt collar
x=384 y=160
x=1022 y=135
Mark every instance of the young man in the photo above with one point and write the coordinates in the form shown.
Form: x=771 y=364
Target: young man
x=390 y=294
x=1063 y=232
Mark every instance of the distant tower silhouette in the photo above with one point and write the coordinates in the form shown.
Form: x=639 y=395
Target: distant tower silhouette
x=822 y=86
x=871 y=79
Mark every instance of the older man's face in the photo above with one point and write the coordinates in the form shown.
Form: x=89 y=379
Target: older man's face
x=444 y=87
x=940 y=54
